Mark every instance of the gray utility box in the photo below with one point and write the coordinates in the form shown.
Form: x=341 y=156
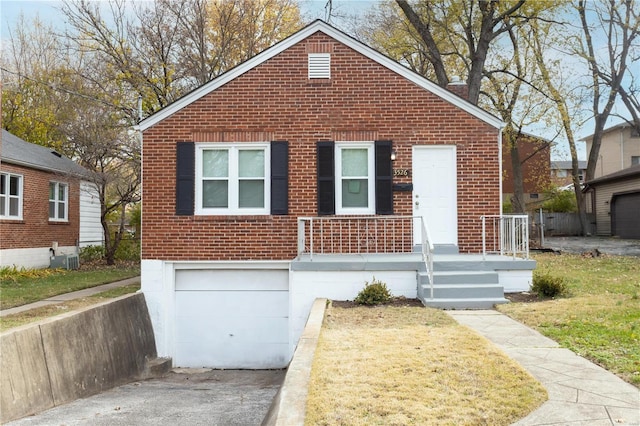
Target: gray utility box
x=65 y=261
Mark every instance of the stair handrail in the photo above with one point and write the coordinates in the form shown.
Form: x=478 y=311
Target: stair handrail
x=510 y=234
x=427 y=253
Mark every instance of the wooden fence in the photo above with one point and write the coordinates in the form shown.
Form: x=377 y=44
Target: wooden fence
x=559 y=224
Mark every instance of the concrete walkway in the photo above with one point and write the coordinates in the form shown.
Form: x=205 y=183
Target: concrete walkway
x=580 y=392
x=69 y=296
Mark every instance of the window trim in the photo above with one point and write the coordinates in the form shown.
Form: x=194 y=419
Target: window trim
x=57 y=202
x=371 y=178
x=7 y=196
x=232 y=209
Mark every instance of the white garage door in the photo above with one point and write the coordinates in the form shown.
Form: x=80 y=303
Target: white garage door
x=232 y=319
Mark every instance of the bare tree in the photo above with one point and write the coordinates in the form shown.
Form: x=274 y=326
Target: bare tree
x=560 y=94
x=618 y=20
x=477 y=24
x=163 y=49
x=82 y=117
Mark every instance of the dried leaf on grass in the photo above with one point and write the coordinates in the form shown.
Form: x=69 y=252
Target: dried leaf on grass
x=412 y=365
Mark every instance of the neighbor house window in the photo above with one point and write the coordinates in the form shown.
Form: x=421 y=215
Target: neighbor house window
x=58 y=201
x=10 y=196
x=635 y=160
x=561 y=173
x=355 y=178
x=232 y=179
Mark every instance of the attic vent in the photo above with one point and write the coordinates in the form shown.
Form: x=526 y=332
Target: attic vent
x=319 y=65
x=57 y=154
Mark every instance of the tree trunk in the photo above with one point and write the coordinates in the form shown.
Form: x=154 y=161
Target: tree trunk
x=517 y=200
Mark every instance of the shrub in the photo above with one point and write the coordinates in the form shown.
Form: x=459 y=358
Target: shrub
x=546 y=285
x=91 y=253
x=561 y=202
x=128 y=249
x=373 y=293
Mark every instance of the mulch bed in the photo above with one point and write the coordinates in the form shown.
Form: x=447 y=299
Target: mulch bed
x=524 y=297
x=396 y=301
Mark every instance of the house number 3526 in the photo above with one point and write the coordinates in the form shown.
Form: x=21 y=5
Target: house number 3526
x=400 y=172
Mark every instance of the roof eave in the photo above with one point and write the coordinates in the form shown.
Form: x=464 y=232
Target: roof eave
x=44 y=169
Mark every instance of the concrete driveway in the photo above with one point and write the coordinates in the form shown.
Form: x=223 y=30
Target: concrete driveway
x=606 y=245
x=184 y=397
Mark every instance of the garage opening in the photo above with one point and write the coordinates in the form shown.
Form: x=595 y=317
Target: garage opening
x=232 y=318
x=625 y=221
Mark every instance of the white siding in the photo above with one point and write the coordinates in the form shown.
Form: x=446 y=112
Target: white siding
x=90 y=227
x=603 y=195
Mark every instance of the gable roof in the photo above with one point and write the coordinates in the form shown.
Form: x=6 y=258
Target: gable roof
x=567 y=165
x=309 y=30
x=22 y=153
x=622 y=125
x=628 y=173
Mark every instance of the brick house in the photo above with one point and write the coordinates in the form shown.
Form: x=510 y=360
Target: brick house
x=45 y=205
x=282 y=179
x=535 y=158
x=561 y=173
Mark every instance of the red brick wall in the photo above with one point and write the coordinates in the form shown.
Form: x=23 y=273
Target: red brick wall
x=536 y=170
x=276 y=101
x=35 y=229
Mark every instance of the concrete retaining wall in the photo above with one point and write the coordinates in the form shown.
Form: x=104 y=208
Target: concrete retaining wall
x=289 y=407
x=75 y=355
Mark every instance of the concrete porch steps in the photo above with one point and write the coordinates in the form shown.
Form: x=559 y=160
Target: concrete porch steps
x=461 y=285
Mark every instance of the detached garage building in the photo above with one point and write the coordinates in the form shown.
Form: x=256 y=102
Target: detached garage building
x=615 y=200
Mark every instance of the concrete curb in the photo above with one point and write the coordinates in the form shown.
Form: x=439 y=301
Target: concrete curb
x=290 y=404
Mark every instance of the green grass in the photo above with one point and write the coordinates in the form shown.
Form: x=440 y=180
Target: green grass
x=19 y=287
x=599 y=318
x=32 y=315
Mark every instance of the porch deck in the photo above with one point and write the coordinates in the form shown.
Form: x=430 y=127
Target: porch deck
x=460 y=281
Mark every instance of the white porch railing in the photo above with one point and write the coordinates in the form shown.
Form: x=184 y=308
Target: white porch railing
x=505 y=235
x=364 y=235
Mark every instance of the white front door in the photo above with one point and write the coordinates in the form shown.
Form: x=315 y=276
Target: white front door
x=435 y=193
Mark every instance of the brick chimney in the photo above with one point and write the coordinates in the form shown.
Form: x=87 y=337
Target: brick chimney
x=458 y=87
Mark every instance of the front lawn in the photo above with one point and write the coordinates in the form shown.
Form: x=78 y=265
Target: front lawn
x=19 y=287
x=413 y=366
x=599 y=318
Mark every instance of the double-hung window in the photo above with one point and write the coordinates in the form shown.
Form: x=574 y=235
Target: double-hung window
x=232 y=179
x=355 y=178
x=58 y=201
x=10 y=196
